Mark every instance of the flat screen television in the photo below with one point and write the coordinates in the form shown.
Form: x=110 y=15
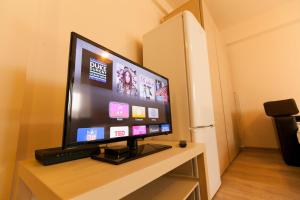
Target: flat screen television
x=110 y=98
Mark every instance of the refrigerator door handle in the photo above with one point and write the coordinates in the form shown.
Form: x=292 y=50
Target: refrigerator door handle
x=207 y=126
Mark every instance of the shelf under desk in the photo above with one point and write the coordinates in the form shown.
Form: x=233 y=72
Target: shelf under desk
x=165 y=188
x=91 y=179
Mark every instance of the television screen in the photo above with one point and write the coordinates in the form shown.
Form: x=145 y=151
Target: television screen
x=110 y=98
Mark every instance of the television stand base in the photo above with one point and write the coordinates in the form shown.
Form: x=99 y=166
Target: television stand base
x=130 y=154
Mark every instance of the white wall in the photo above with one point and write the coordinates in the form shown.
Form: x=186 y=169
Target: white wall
x=265 y=58
x=34 y=50
x=15 y=40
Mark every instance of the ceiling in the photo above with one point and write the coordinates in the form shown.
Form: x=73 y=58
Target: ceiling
x=230 y=12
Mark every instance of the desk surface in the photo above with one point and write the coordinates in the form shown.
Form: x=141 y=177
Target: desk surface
x=87 y=178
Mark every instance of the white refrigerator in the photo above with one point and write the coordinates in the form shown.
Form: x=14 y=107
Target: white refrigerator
x=177 y=48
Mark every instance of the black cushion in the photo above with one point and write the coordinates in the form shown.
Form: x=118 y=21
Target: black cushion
x=286 y=128
x=287 y=133
x=281 y=108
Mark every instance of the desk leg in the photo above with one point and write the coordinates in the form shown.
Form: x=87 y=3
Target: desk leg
x=202 y=177
x=21 y=191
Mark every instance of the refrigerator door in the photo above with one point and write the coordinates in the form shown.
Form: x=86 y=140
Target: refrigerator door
x=208 y=137
x=199 y=83
x=164 y=52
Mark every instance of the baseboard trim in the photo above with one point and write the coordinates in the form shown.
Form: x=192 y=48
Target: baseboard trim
x=260 y=149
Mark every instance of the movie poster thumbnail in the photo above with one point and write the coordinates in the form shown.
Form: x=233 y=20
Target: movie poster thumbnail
x=96 y=70
x=161 y=93
x=126 y=80
x=147 y=87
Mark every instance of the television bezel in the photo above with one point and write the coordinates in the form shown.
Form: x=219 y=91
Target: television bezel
x=69 y=86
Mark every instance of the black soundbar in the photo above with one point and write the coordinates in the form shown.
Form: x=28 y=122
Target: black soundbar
x=58 y=155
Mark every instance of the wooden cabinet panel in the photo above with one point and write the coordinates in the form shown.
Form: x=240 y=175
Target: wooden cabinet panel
x=194 y=6
x=211 y=32
x=228 y=99
x=224 y=103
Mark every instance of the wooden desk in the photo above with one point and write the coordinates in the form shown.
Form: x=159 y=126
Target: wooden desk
x=88 y=179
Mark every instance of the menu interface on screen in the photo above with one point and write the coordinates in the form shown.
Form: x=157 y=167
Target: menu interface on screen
x=113 y=98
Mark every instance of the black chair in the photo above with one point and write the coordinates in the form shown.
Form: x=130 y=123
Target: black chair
x=286 y=127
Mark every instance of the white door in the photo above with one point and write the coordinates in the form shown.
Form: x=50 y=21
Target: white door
x=199 y=83
x=208 y=137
